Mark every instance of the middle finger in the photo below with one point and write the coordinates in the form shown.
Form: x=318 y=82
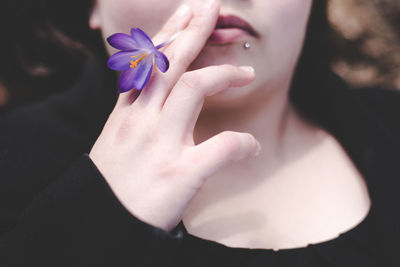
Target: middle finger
x=181 y=54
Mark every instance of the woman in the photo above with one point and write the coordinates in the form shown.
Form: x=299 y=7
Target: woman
x=177 y=178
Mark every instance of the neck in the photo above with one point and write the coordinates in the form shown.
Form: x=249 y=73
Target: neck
x=273 y=121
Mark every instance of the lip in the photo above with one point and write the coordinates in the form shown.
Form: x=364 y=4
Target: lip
x=231 y=28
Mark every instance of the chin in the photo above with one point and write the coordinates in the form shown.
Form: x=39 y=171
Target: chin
x=211 y=56
x=231 y=98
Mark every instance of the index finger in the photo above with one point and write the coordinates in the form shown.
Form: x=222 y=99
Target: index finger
x=174 y=25
x=181 y=54
x=177 y=22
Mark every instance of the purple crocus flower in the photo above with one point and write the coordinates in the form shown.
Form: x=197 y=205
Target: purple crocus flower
x=135 y=59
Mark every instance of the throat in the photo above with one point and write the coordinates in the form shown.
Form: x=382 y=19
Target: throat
x=311 y=199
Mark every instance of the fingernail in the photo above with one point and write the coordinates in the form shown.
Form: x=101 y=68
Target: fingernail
x=208 y=5
x=248 y=69
x=183 y=10
x=258 y=149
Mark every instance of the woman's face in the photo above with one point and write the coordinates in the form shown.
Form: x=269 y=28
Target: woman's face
x=280 y=24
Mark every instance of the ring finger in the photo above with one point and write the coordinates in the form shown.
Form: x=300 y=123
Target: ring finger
x=186 y=100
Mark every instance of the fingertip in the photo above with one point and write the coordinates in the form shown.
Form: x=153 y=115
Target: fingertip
x=213 y=5
x=183 y=11
x=258 y=148
x=248 y=69
x=242 y=76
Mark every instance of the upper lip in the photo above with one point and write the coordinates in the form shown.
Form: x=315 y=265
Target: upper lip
x=232 y=21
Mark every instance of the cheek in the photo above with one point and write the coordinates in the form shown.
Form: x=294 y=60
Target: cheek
x=286 y=22
x=122 y=15
x=288 y=18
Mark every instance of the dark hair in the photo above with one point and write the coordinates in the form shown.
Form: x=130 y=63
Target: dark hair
x=313 y=72
x=45 y=47
x=317 y=50
x=48 y=41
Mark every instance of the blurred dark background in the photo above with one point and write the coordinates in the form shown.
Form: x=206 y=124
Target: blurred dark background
x=368 y=41
x=366 y=45
x=39 y=51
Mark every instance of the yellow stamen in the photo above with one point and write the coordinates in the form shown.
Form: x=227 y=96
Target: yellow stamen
x=134 y=63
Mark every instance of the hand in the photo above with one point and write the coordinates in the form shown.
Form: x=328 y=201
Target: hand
x=146 y=150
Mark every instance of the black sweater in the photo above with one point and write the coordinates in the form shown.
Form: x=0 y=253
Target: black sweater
x=56 y=209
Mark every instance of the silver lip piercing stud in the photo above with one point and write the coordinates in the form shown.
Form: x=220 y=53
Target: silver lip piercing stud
x=246 y=45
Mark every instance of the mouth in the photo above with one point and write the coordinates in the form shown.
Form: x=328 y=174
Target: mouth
x=230 y=29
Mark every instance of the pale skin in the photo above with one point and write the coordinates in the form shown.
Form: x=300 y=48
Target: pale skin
x=184 y=148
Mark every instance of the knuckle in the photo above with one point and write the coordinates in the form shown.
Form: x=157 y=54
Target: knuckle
x=196 y=25
x=192 y=81
x=170 y=169
x=177 y=59
x=125 y=131
x=127 y=128
x=138 y=131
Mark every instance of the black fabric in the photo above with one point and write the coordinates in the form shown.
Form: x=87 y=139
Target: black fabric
x=58 y=210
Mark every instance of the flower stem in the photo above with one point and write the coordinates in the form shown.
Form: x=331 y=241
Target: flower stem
x=173 y=37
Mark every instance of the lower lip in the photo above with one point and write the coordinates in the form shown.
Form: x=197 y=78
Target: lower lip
x=228 y=35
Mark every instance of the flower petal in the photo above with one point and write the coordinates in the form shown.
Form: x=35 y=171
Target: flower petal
x=122 y=41
x=162 y=61
x=142 y=39
x=121 y=60
x=125 y=81
x=136 y=77
x=144 y=72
